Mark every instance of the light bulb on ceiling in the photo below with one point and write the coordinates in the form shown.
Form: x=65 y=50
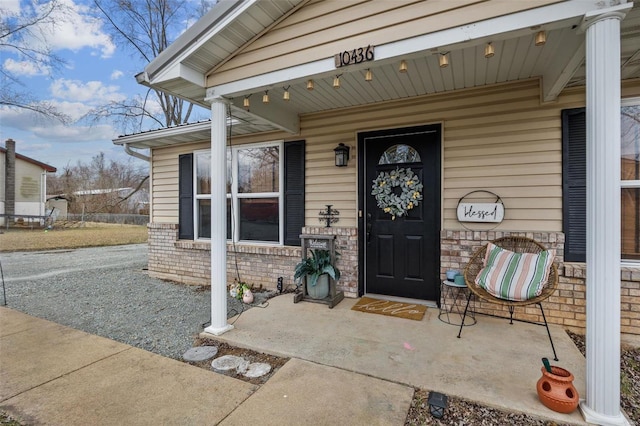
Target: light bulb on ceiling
x=368 y=75
x=541 y=38
x=286 y=95
x=246 y=102
x=443 y=60
x=265 y=97
x=309 y=84
x=489 y=50
x=403 y=66
x=336 y=81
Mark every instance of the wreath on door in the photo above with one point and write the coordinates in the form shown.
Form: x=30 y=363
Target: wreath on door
x=397 y=203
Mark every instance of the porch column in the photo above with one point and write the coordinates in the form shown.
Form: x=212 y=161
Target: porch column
x=219 y=323
x=602 y=404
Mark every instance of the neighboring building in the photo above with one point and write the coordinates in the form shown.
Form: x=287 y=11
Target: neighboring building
x=23 y=185
x=484 y=96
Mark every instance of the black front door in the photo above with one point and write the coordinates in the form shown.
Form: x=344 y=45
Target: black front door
x=402 y=231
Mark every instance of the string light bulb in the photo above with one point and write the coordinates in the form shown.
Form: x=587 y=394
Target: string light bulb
x=368 y=75
x=489 y=51
x=286 y=96
x=265 y=97
x=246 y=102
x=541 y=38
x=336 y=81
x=403 y=66
x=443 y=60
x=309 y=84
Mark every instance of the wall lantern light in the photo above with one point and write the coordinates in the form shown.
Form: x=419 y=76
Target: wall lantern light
x=342 y=155
x=437 y=404
x=541 y=38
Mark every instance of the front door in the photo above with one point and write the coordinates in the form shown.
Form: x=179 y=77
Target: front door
x=401 y=226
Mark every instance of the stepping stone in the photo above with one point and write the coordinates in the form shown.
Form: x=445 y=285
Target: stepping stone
x=257 y=369
x=226 y=363
x=200 y=353
x=242 y=367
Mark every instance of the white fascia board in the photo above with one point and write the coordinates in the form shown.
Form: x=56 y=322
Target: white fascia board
x=182 y=72
x=218 y=18
x=478 y=31
x=165 y=133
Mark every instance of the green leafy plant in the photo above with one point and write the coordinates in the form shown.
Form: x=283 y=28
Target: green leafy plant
x=315 y=265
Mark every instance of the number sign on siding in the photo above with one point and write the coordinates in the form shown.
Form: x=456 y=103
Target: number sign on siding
x=480 y=212
x=355 y=56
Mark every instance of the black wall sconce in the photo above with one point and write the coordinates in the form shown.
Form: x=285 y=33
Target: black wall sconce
x=342 y=155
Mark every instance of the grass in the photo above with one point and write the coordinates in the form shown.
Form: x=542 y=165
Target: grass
x=71 y=235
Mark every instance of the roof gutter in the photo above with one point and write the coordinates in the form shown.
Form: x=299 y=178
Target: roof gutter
x=135 y=153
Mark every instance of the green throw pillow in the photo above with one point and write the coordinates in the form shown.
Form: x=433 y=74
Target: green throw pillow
x=514 y=276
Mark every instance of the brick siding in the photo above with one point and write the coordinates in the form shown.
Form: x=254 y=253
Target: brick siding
x=567 y=307
x=189 y=262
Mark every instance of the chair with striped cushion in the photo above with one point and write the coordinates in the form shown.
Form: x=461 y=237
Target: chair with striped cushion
x=512 y=271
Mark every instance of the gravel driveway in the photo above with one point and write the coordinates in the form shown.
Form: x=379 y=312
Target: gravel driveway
x=106 y=291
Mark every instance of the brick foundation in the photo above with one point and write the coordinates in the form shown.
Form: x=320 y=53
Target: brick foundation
x=567 y=307
x=189 y=262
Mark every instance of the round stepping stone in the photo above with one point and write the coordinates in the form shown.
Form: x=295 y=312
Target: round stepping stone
x=257 y=369
x=226 y=363
x=200 y=353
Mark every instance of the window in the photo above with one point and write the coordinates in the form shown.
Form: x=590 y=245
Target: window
x=574 y=182
x=630 y=179
x=265 y=193
x=398 y=154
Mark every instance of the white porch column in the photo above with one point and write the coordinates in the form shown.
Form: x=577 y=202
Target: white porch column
x=219 y=323
x=602 y=404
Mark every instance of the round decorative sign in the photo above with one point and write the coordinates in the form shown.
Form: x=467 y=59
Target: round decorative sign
x=389 y=200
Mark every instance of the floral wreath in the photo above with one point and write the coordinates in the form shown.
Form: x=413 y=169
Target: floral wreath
x=392 y=203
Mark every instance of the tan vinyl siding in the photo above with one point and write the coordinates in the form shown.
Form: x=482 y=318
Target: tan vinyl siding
x=497 y=138
x=323 y=28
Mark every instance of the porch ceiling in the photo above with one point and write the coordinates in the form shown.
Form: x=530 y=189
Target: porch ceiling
x=559 y=63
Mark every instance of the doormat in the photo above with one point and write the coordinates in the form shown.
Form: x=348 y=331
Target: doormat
x=389 y=308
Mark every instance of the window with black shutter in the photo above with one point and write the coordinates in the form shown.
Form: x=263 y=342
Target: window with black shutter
x=185 y=197
x=574 y=183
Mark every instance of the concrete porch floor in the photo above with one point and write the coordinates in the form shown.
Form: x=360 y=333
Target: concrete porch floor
x=493 y=363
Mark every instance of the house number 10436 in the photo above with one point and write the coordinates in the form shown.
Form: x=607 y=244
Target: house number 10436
x=355 y=56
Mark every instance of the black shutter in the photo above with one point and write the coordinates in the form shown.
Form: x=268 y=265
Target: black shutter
x=185 y=197
x=293 y=192
x=574 y=184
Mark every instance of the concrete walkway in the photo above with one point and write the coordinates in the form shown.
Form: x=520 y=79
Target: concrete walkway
x=55 y=375
x=494 y=363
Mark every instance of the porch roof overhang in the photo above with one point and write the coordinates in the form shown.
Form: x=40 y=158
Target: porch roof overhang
x=231 y=25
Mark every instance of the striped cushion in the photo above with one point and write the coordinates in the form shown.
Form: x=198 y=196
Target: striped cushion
x=514 y=276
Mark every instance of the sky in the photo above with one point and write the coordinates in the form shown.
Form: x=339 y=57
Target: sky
x=96 y=70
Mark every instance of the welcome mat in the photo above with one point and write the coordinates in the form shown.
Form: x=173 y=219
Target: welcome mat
x=389 y=308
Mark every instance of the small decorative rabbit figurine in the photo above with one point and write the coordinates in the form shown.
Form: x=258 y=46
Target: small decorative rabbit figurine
x=247 y=296
x=233 y=291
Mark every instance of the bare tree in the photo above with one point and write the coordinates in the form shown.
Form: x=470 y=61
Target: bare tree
x=147 y=27
x=101 y=186
x=22 y=34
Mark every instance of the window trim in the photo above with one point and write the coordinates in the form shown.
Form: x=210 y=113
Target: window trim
x=236 y=196
x=629 y=183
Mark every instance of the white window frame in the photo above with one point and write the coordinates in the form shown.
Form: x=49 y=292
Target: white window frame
x=629 y=183
x=235 y=196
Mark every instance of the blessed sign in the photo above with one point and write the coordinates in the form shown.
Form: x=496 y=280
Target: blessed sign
x=480 y=212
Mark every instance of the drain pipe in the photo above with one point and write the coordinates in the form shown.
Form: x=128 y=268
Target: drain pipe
x=135 y=153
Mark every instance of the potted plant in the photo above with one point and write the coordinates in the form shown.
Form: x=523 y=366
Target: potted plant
x=317 y=269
